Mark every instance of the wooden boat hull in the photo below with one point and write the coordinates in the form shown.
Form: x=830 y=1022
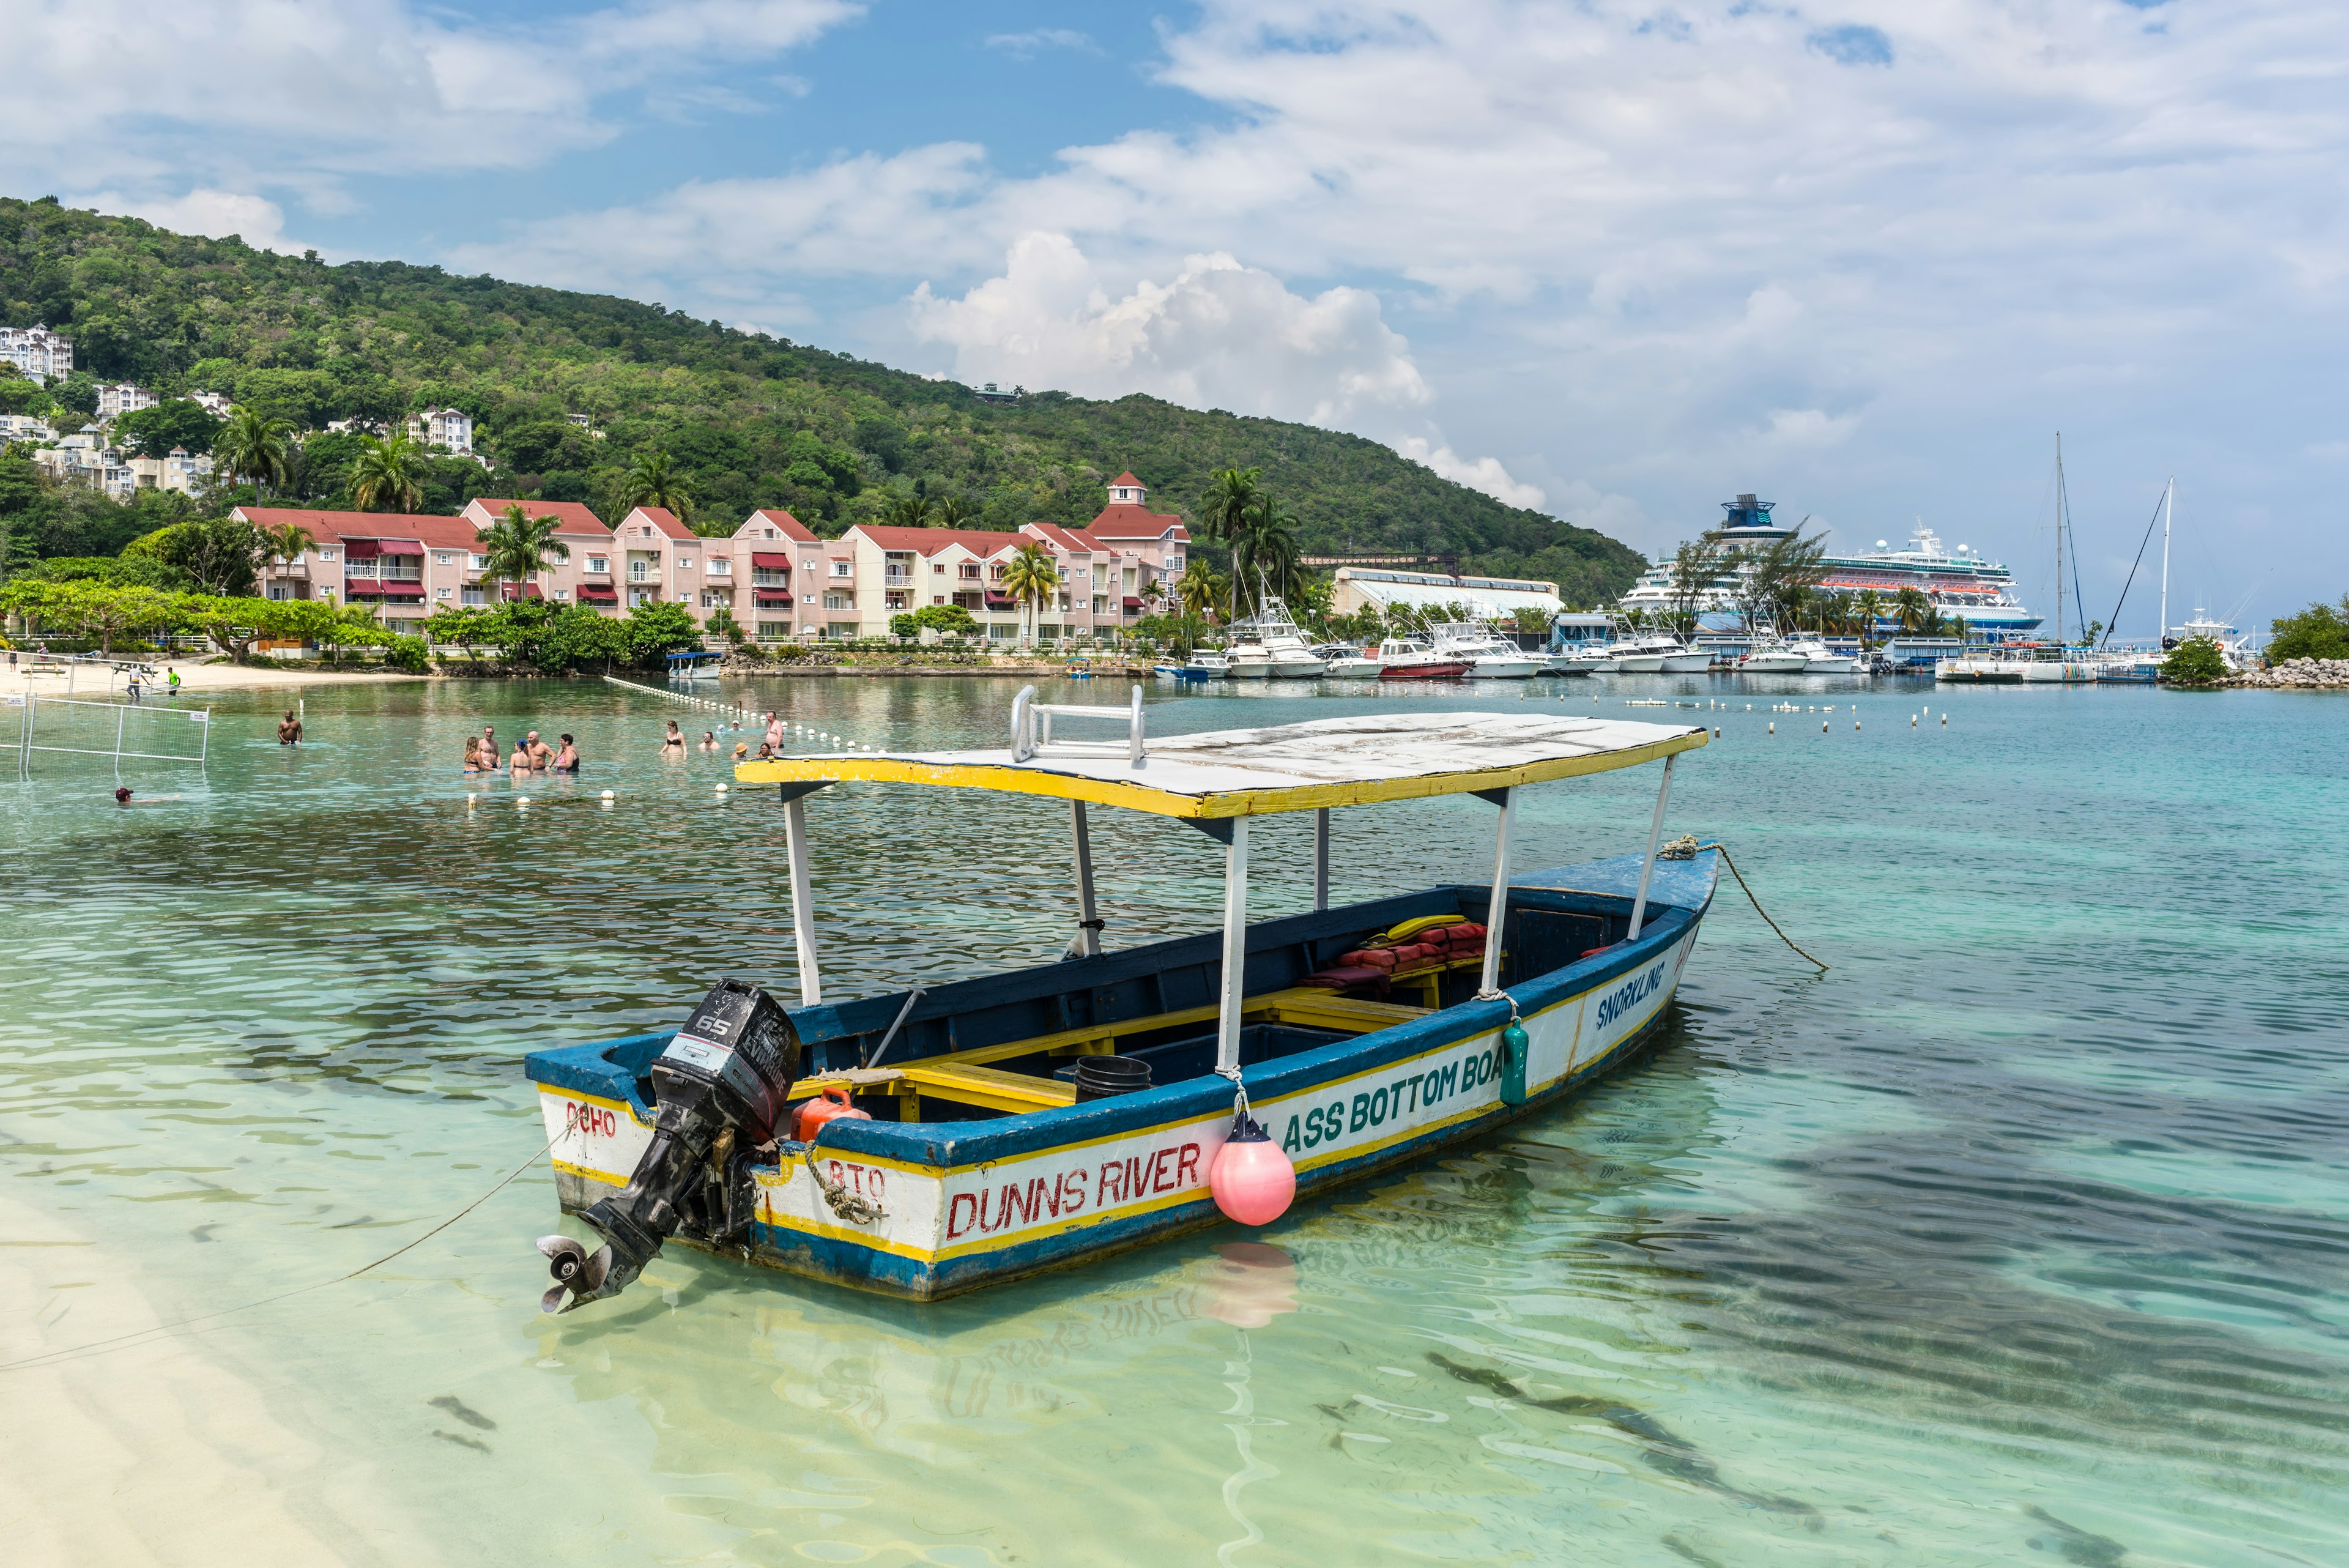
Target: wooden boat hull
x=971 y=1203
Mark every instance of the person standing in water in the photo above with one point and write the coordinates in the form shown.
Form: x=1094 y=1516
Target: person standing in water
x=541 y=753
x=289 y=730
x=775 y=732
x=566 y=761
x=673 y=743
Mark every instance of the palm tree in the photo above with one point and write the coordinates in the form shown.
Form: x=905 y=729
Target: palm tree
x=287 y=540
x=1224 y=514
x=1202 y=590
x=1267 y=548
x=389 y=474
x=1867 y=608
x=251 y=445
x=1912 y=609
x=1031 y=580
x=954 y=514
x=514 y=547
x=652 y=480
x=909 y=512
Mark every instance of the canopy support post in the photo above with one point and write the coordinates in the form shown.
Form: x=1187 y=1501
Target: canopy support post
x=1496 y=915
x=1227 y=1037
x=1088 y=942
x=1648 y=867
x=802 y=901
x=1322 y=857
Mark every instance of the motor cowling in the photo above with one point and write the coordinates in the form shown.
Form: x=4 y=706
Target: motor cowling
x=719 y=1085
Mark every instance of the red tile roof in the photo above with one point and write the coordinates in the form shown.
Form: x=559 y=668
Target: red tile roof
x=333 y=527
x=572 y=516
x=1124 y=519
x=1066 y=538
x=930 y=541
x=783 y=522
x=1125 y=478
x=660 y=517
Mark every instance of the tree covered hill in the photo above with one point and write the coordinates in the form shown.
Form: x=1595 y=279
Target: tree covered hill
x=751 y=421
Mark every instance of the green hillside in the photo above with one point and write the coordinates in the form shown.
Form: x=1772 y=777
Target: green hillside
x=751 y=420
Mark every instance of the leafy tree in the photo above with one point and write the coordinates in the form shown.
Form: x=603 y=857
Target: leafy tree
x=76 y=394
x=910 y=512
x=174 y=422
x=251 y=445
x=1030 y=578
x=947 y=621
x=656 y=630
x=722 y=623
x=514 y=548
x=20 y=394
x=114 y=571
x=219 y=555
x=470 y=626
x=2197 y=661
x=653 y=481
x=389 y=474
x=2320 y=631
x=954 y=514
x=1695 y=566
x=1202 y=590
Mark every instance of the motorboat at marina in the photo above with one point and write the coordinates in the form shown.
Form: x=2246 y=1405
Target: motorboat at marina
x=1206 y=664
x=1574 y=661
x=1773 y=658
x=1818 y=658
x=1490 y=656
x=1267 y=646
x=1408 y=659
x=1345 y=662
x=1657 y=656
x=926 y=1142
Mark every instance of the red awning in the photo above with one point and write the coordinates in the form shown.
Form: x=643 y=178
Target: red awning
x=997 y=601
x=362 y=549
x=529 y=591
x=366 y=590
x=604 y=591
x=1133 y=603
x=767 y=563
x=772 y=597
x=400 y=546
x=403 y=590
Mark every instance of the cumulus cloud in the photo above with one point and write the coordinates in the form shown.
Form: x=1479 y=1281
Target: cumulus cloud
x=258 y=221
x=1216 y=334
x=1485 y=473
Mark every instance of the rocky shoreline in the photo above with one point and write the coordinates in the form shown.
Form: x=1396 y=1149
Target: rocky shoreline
x=2307 y=674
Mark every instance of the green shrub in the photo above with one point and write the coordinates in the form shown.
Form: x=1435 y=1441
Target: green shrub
x=2197 y=661
x=2320 y=631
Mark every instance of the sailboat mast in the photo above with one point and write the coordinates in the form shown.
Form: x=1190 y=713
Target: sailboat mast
x=2169 y=515
x=2059 y=539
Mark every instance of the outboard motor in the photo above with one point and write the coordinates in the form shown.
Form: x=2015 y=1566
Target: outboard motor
x=720 y=1085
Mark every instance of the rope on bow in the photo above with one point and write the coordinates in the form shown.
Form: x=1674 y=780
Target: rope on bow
x=852 y=1207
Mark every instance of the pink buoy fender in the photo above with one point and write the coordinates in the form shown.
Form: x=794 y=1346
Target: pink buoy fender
x=1251 y=1178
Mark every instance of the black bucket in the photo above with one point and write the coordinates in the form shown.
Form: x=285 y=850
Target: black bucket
x=1098 y=1077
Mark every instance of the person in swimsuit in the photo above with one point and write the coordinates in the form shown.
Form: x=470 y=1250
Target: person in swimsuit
x=709 y=740
x=775 y=730
x=674 y=740
x=742 y=748
x=766 y=752
x=289 y=730
x=473 y=755
x=541 y=753
x=566 y=761
x=490 y=752
x=519 y=765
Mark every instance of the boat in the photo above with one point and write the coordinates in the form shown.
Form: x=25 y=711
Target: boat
x=928 y=1142
x=1818 y=658
x=1574 y=661
x=1959 y=583
x=1408 y=659
x=1345 y=662
x=1774 y=657
x=1079 y=672
x=2022 y=665
x=1490 y=656
x=697 y=665
x=1657 y=656
x=1267 y=646
x=1206 y=664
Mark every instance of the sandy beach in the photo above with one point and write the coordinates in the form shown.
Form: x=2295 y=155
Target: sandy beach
x=98 y=680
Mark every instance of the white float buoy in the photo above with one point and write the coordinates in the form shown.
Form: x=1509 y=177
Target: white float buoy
x=1823 y=726
x=721 y=789
x=522 y=800
x=1774 y=726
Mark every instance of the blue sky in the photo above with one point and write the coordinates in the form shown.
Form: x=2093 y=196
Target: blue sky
x=1619 y=261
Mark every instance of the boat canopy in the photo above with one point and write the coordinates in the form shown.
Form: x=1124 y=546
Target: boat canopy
x=1223 y=773
x=1218 y=780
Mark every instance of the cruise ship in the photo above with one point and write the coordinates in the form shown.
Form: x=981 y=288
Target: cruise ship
x=1959 y=582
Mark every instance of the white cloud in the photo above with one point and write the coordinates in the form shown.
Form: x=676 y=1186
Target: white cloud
x=1810 y=428
x=1485 y=473
x=258 y=221
x=1026 y=46
x=1217 y=335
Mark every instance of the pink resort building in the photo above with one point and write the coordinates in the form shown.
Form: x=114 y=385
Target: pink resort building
x=774 y=576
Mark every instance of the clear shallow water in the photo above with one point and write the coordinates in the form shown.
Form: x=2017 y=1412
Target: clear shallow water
x=2022 y=1235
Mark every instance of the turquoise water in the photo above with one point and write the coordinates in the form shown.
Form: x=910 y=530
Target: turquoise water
x=2022 y=1234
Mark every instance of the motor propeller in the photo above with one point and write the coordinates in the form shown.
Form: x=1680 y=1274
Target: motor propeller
x=720 y=1085
x=578 y=1273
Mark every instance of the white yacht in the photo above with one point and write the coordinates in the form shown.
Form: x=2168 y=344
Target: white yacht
x=1818 y=658
x=1206 y=664
x=1408 y=659
x=1657 y=656
x=1344 y=661
x=1267 y=646
x=1490 y=657
x=1773 y=658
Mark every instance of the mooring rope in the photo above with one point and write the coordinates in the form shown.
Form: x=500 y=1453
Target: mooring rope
x=852 y=1207
x=1686 y=848
x=52 y=1357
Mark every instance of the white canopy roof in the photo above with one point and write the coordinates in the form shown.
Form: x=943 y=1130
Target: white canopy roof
x=1290 y=767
